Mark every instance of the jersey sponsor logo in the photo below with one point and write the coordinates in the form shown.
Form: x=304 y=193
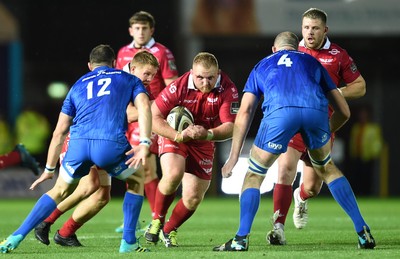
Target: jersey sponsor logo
x=235 y=95
x=207 y=170
x=117 y=169
x=171 y=65
x=212 y=100
x=324 y=137
x=171 y=146
x=353 y=67
x=154 y=49
x=206 y=162
x=69 y=168
x=189 y=101
x=334 y=51
x=164 y=97
x=325 y=60
x=274 y=146
x=234 y=107
x=172 y=88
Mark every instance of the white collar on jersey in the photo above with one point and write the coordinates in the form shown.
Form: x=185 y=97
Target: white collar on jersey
x=149 y=44
x=191 y=84
x=327 y=44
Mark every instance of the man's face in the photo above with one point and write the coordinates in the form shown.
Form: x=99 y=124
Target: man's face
x=145 y=73
x=204 y=78
x=141 y=33
x=313 y=32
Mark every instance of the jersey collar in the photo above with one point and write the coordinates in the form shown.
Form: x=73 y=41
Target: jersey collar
x=149 y=44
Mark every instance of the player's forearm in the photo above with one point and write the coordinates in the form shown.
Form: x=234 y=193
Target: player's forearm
x=355 y=89
x=223 y=132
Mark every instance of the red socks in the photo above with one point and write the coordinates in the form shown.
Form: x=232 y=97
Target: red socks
x=179 y=215
x=282 y=200
x=54 y=216
x=69 y=228
x=150 y=190
x=161 y=205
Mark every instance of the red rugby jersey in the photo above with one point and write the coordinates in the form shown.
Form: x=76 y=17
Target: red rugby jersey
x=164 y=56
x=336 y=60
x=208 y=109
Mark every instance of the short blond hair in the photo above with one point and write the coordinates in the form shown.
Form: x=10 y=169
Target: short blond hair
x=206 y=59
x=144 y=57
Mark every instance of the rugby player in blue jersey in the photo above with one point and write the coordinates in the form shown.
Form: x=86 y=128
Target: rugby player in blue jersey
x=94 y=112
x=296 y=90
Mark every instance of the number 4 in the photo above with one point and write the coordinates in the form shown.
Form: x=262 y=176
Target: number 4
x=284 y=60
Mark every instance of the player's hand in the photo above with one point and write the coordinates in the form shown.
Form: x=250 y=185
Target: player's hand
x=187 y=134
x=196 y=132
x=226 y=170
x=45 y=176
x=140 y=154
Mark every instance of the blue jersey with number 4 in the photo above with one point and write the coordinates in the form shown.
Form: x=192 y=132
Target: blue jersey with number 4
x=98 y=102
x=289 y=78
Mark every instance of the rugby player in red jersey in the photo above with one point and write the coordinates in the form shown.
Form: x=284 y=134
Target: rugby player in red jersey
x=141 y=28
x=187 y=157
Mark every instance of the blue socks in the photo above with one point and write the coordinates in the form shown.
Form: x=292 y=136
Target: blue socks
x=42 y=209
x=249 y=203
x=131 y=208
x=343 y=194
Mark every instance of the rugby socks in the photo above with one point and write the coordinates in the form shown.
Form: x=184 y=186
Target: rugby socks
x=150 y=192
x=11 y=159
x=343 y=194
x=131 y=208
x=249 y=203
x=282 y=200
x=303 y=194
x=179 y=215
x=69 y=228
x=162 y=203
x=54 y=216
x=42 y=209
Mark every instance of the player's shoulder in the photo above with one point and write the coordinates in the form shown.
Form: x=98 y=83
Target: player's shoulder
x=160 y=50
x=335 y=49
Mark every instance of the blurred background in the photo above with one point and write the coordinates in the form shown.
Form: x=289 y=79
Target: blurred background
x=44 y=48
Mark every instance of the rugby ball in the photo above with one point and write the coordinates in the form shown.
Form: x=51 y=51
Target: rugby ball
x=180 y=118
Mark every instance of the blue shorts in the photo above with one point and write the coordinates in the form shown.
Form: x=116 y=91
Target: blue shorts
x=83 y=153
x=277 y=128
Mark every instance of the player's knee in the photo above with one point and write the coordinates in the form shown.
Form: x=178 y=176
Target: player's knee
x=256 y=167
x=102 y=197
x=192 y=203
x=321 y=164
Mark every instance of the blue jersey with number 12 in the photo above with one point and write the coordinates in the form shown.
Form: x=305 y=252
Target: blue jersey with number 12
x=290 y=78
x=98 y=102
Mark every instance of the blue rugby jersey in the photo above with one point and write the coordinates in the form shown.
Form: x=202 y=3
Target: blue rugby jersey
x=98 y=102
x=290 y=78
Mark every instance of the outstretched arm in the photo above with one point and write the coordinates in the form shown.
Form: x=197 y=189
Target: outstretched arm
x=240 y=129
x=59 y=135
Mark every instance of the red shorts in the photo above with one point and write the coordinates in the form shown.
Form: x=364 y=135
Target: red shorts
x=297 y=143
x=199 y=155
x=132 y=134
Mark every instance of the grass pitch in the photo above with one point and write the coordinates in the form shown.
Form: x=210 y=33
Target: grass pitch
x=329 y=233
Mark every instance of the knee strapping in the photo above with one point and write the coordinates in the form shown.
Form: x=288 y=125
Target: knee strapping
x=321 y=163
x=256 y=167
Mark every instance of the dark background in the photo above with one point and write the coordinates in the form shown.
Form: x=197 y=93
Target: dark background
x=57 y=37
